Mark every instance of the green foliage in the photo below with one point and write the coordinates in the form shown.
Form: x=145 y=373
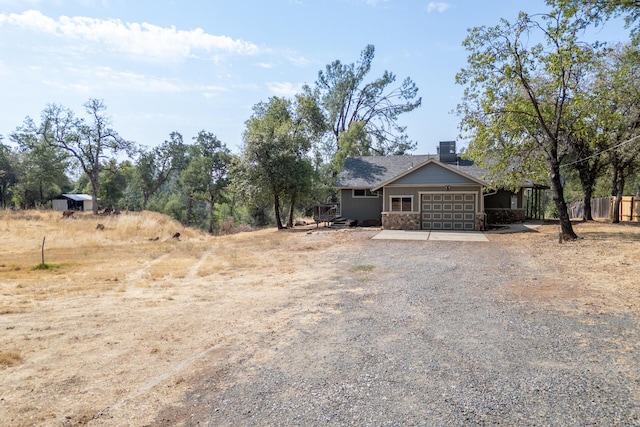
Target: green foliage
x=156 y=166
x=88 y=142
x=595 y=12
x=40 y=170
x=47 y=266
x=346 y=99
x=8 y=176
x=518 y=108
x=275 y=163
x=114 y=179
x=206 y=175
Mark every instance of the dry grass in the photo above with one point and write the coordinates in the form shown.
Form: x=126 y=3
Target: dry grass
x=9 y=358
x=122 y=310
x=110 y=335
x=597 y=273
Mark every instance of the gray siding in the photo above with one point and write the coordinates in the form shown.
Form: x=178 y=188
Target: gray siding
x=415 y=192
x=433 y=174
x=360 y=209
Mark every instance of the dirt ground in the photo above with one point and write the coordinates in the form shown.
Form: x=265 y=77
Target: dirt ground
x=126 y=318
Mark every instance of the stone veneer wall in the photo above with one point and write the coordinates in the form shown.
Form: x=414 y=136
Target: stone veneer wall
x=505 y=216
x=401 y=221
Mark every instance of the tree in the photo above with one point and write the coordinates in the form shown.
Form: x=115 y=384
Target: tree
x=42 y=168
x=114 y=181
x=275 y=159
x=157 y=165
x=88 y=141
x=618 y=95
x=518 y=96
x=372 y=107
x=594 y=12
x=206 y=176
x=7 y=173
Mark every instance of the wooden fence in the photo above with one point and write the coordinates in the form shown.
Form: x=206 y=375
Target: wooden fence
x=602 y=208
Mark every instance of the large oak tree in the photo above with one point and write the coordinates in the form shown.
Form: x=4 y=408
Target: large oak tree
x=89 y=142
x=518 y=95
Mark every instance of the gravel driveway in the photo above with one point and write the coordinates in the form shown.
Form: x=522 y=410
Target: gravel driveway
x=425 y=333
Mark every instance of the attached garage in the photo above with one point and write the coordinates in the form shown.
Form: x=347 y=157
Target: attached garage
x=448 y=211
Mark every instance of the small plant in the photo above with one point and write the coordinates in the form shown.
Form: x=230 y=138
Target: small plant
x=45 y=266
x=9 y=358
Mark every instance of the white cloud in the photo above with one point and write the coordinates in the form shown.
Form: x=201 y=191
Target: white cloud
x=99 y=78
x=438 y=7
x=299 y=61
x=133 y=38
x=284 y=89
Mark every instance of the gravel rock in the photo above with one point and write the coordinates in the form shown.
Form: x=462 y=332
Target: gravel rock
x=427 y=337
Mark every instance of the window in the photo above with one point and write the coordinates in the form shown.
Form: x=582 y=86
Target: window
x=364 y=193
x=401 y=203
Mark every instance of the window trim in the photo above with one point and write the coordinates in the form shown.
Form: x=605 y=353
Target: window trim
x=400 y=196
x=368 y=194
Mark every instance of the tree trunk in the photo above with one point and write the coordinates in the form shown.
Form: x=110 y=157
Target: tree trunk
x=586 y=181
x=619 y=192
x=94 y=196
x=291 y=211
x=561 y=205
x=41 y=193
x=586 y=215
x=211 y=210
x=276 y=206
x=145 y=200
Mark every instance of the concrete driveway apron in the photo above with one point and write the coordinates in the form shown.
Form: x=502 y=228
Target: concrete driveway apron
x=455 y=236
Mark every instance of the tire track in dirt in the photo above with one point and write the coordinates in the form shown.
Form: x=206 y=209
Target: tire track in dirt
x=143 y=272
x=193 y=270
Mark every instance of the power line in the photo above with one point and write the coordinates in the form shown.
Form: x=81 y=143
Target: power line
x=601 y=152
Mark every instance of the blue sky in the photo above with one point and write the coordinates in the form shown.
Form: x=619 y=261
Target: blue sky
x=163 y=66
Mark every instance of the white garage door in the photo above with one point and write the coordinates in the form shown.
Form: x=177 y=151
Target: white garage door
x=447 y=211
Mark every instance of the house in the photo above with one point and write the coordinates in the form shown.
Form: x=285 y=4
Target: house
x=424 y=192
x=74 y=202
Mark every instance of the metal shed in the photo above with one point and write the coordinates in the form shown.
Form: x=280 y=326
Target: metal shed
x=73 y=202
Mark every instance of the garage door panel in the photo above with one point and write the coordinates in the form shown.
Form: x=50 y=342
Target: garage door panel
x=448 y=211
